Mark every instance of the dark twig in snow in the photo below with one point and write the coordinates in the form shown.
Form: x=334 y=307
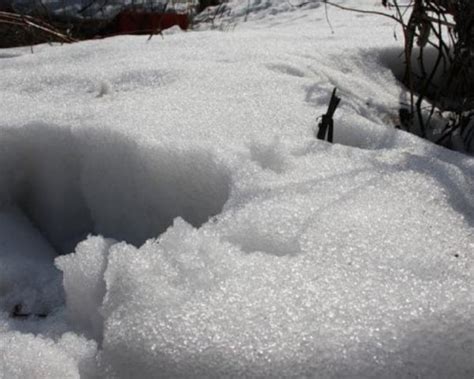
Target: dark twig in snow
x=326 y=126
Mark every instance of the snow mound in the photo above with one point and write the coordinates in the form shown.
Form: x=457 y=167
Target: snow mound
x=192 y=305
x=86 y=267
x=332 y=277
x=205 y=232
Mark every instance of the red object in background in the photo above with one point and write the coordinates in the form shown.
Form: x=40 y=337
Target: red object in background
x=136 y=22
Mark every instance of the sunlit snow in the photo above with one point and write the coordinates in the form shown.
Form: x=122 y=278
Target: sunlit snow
x=166 y=211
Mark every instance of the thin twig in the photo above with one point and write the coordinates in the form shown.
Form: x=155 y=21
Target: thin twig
x=363 y=11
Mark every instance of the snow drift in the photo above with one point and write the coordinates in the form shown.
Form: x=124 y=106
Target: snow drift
x=204 y=232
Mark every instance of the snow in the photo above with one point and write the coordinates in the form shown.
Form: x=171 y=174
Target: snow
x=27 y=356
x=200 y=229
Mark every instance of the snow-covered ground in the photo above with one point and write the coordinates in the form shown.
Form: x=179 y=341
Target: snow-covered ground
x=204 y=232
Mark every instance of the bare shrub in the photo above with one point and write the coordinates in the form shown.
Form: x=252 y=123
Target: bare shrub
x=439 y=57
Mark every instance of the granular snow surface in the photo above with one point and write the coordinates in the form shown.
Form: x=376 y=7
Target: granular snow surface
x=166 y=211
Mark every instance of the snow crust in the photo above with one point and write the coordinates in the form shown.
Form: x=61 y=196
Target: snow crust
x=202 y=230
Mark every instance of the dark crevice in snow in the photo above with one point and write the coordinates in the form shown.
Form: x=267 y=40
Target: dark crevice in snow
x=394 y=60
x=439 y=98
x=446 y=96
x=100 y=182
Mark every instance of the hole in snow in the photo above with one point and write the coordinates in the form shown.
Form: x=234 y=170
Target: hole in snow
x=70 y=185
x=58 y=186
x=394 y=60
